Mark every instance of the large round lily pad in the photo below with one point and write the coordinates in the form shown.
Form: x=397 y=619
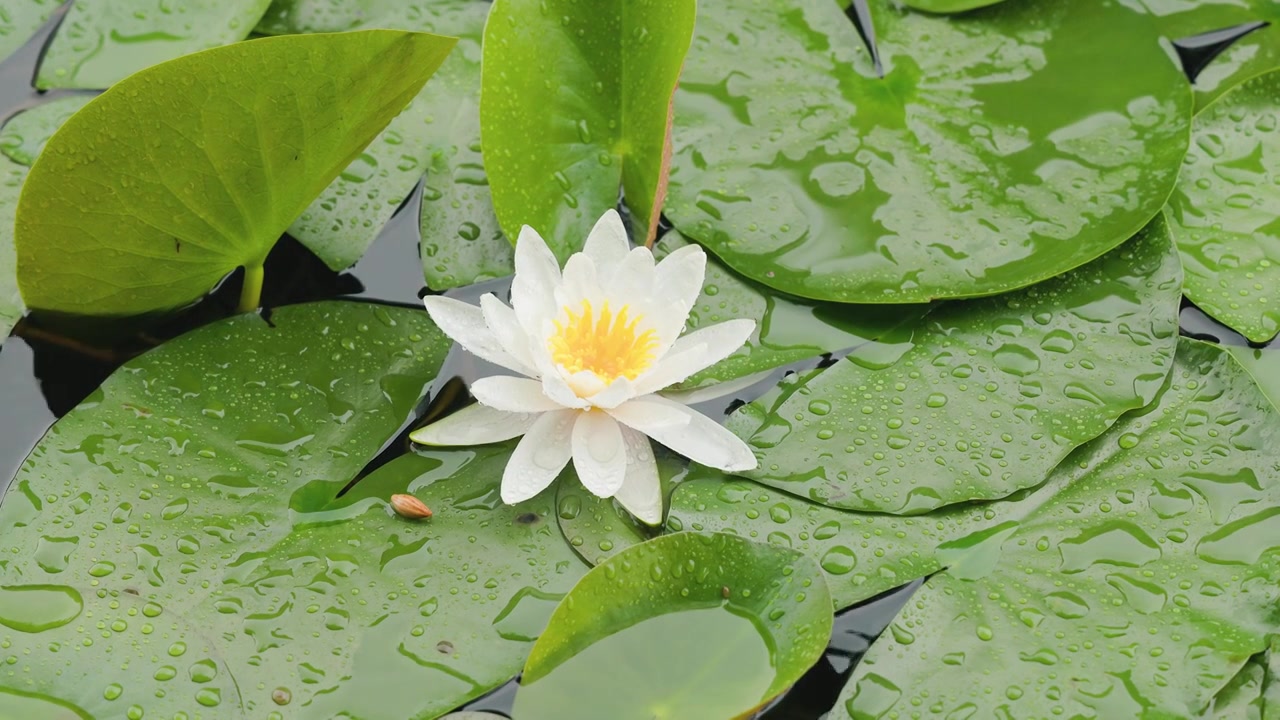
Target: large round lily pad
x=990 y=156
x=1225 y=213
x=986 y=397
x=181 y=542
x=1135 y=582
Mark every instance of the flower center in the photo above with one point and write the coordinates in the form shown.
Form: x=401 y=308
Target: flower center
x=609 y=345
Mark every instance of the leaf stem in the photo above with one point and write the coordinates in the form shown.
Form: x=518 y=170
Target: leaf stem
x=251 y=290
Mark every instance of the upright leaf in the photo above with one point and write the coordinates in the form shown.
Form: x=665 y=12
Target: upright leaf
x=194 y=507
x=576 y=100
x=101 y=43
x=986 y=398
x=179 y=174
x=988 y=157
x=1225 y=215
x=684 y=627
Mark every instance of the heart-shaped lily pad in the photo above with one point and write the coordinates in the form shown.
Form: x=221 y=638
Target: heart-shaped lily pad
x=181 y=541
x=988 y=157
x=157 y=189
x=684 y=627
x=986 y=398
x=101 y=43
x=1143 y=573
x=1224 y=213
x=576 y=102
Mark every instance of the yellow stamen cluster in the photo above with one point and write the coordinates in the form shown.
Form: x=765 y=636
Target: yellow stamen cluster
x=608 y=345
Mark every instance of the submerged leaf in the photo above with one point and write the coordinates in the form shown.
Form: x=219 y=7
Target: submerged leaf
x=987 y=158
x=576 y=102
x=181 y=173
x=1225 y=213
x=1147 y=565
x=194 y=507
x=100 y=43
x=684 y=626
x=986 y=398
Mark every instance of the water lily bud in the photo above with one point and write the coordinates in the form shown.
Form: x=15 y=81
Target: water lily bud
x=410 y=507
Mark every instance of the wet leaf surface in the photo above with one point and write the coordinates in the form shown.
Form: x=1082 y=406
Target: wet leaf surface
x=178 y=542
x=684 y=626
x=986 y=397
x=11 y=176
x=20 y=20
x=191 y=196
x=1264 y=366
x=101 y=43
x=24 y=136
x=1146 y=566
x=987 y=158
x=1225 y=212
x=788 y=328
x=439 y=133
x=599 y=123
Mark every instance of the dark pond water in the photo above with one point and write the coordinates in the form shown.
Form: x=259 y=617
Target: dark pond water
x=44 y=375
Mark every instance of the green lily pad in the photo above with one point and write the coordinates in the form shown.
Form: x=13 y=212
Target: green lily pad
x=438 y=133
x=1223 y=213
x=162 y=185
x=558 y=147
x=1241 y=698
x=1264 y=366
x=20 y=20
x=24 y=136
x=989 y=156
x=788 y=329
x=1255 y=53
x=987 y=397
x=683 y=626
x=1145 y=569
x=101 y=43
x=193 y=508
x=11 y=176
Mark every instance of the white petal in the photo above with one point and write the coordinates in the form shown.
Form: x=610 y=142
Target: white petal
x=579 y=284
x=717 y=391
x=541 y=455
x=474 y=425
x=696 y=351
x=633 y=279
x=679 y=276
x=502 y=322
x=465 y=324
x=616 y=393
x=533 y=287
x=641 y=491
x=699 y=438
x=512 y=394
x=599 y=454
x=607 y=243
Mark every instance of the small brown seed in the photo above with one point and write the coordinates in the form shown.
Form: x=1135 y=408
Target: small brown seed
x=410 y=507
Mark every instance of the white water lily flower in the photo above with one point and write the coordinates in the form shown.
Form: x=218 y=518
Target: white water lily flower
x=596 y=344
